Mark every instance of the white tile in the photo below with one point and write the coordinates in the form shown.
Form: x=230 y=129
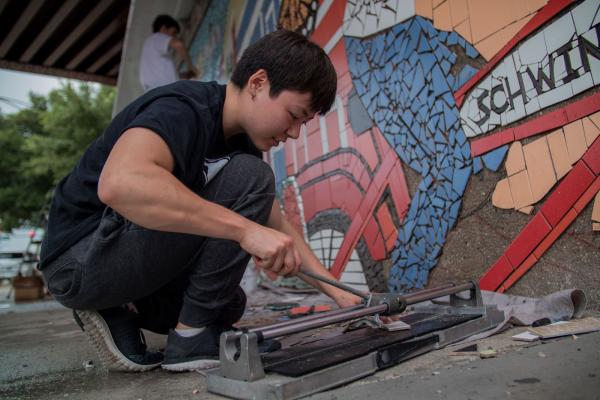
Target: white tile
x=532 y=105
x=323 y=132
x=583 y=15
x=559 y=32
x=353 y=278
x=555 y=96
x=582 y=83
x=354 y=266
x=336 y=243
x=533 y=50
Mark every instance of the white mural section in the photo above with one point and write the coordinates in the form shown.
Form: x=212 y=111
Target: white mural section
x=326 y=243
x=363 y=18
x=557 y=63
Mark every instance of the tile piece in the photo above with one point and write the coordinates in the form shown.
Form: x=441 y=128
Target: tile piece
x=567 y=193
x=494 y=276
x=533 y=233
x=520 y=189
x=526 y=210
x=494 y=158
x=596 y=226
x=587 y=196
x=592 y=157
x=555 y=233
x=575 y=139
x=520 y=271
x=491 y=142
x=591 y=131
x=490 y=46
x=458 y=11
x=441 y=17
x=424 y=8
x=596 y=209
x=596 y=119
x=515 y=162
x=539 y=168
x=559 y=153
x=502 y=197
x=464 y=30
x=488 y=17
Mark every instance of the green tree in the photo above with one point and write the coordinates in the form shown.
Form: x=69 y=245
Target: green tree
x=41 y=144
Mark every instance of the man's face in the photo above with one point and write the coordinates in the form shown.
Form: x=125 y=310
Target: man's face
x=172 y=31
x=274 y=120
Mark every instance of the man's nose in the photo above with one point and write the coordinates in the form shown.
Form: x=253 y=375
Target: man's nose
x=294 y=131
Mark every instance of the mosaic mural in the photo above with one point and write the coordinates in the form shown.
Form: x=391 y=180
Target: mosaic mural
x=439 y=91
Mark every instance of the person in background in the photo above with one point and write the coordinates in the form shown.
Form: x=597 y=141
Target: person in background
x=157 y=67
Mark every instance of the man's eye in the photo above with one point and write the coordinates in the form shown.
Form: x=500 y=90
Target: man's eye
x=293 y=116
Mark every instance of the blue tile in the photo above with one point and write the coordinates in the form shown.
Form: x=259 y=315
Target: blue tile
x=452 y=39
x=493 y=159
x=460 y=179
x=477 y=165
x=471 y=51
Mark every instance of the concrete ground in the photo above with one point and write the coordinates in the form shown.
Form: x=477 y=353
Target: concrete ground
x=43 y=356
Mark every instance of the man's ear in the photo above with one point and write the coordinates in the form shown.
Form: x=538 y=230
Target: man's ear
x=258 y=81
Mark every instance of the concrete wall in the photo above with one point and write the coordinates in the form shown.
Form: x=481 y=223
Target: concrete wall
x=139 y=26
x=463 y=143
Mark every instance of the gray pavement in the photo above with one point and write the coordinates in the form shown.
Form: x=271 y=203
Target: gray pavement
x=43 y=353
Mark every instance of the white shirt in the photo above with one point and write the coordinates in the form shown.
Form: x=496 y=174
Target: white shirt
x=156 y=64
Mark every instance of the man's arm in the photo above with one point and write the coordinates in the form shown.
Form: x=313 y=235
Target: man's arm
x=182 y=52
x=310 y=262
x=138 y=183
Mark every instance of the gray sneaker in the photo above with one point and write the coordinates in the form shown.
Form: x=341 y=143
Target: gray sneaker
x=201 y=351
x=118 y=340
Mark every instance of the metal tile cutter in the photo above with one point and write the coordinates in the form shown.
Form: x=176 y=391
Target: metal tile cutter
x=298 y=371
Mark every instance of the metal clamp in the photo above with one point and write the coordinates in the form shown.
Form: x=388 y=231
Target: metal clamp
x=395 y=302
x=239 y=357
x=474 y=299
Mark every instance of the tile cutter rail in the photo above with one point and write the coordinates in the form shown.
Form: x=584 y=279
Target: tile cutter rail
x=297 y=372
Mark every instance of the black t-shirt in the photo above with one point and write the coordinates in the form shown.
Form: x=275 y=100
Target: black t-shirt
x=187 y=115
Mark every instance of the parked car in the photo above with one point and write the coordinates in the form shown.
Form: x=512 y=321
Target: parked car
x=19 y=251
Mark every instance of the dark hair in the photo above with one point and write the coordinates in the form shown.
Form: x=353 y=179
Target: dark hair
x=292 y=62
x=166 y=21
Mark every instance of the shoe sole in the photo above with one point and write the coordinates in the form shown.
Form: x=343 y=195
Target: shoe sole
x=99 y=335
x=191 y=365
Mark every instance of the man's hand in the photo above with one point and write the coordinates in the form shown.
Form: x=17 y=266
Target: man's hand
x=345 y=299
x=271 y=249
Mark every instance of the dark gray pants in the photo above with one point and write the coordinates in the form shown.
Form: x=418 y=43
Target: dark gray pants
x=168 y=276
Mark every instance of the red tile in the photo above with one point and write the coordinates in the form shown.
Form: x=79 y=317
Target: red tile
x=332 y=20
x=371 y=231
x=494 y=276
x=544 y=123
x=323 y=195
x=365 y=181
x=309 y=203
x=333 y=131
x=520 y=271
x=592 y=157
x=377 y=249
x=369 y=202
x=384 y=217
x=566 y=194
x=391 y=241
x=364 y=145
x=331 y=164
x=584 y=107
x=527 y=240
x=555 y=233
x=491 y=142
x=587 y=196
